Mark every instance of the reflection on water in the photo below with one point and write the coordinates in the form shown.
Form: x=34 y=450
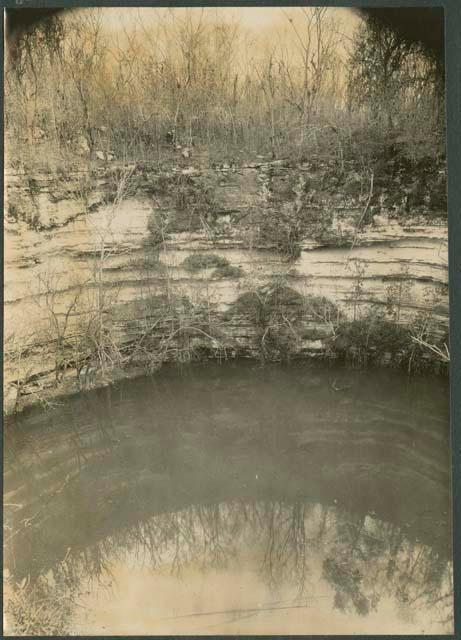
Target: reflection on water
x=231 y=499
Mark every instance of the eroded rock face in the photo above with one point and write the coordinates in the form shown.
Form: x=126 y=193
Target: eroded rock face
x=87 y=261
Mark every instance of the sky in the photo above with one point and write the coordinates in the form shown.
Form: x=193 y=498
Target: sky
x=254 y=18
x=262 y=25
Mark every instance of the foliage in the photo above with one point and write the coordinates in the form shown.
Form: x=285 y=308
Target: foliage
x=157 y=225
x=276 y=310
x=189 y=79
x=398 y=292
x=168 y=326
x=399 y=87
x=370 y=338
x=374 y=340
x=194 y=203
x=259 y=305
x=199 y=261
x=228 y=271
x=358 y=270
x=283 y=231
x=150 y=262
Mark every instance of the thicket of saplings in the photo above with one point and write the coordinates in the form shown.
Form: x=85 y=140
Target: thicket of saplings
x=191 y=80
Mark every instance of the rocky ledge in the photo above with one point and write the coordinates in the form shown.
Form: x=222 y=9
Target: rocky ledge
x=112 y=269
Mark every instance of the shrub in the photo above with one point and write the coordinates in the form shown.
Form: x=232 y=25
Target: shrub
x=156 y=226
x=283 y=233
x=372 y=338
x=320 y=306
x=276 y=310
x=228 y=271
x=260 y=305
x=149 y=262
x=198 y=261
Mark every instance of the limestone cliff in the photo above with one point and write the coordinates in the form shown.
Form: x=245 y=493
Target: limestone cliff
x=114 y=254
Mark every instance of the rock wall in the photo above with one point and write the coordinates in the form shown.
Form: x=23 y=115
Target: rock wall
x=114 y=242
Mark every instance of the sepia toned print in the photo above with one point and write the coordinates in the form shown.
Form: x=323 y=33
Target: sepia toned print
x=226 y=352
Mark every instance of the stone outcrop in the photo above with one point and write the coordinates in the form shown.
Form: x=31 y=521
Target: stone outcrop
x=115 y=239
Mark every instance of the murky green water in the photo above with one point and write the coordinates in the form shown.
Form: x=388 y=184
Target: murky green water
x=227 y=499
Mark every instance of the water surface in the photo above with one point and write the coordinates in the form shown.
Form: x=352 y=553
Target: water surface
x=227 y=499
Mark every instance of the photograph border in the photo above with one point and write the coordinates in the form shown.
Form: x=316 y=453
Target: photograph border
x=452 y=10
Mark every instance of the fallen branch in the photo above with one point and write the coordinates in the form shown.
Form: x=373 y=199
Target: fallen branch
x=443 y=355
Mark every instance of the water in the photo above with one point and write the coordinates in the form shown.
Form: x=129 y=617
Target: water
x=227 y=499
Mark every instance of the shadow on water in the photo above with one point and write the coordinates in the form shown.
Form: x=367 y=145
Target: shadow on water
x=326 y=483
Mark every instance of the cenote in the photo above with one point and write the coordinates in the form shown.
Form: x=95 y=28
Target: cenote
x=230 y=498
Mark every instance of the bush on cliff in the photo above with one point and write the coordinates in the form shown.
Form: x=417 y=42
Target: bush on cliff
x=374 y=340
x=276 y=311
x=367 y=340
x=199 y=261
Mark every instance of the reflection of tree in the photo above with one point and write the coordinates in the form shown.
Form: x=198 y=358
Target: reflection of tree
x=370 y=560
x=343 y=568
x=362 y=558
x=286 y=549
x=347 y=581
